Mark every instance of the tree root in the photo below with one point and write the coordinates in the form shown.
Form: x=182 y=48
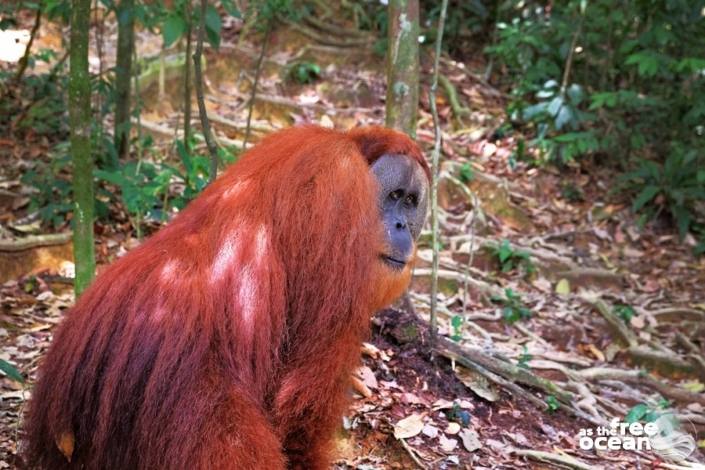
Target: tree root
x=549 y=457
x=459 y=111
x=35 y=241
x=314 y=35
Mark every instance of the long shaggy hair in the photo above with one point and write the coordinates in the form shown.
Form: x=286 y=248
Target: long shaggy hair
x=226 y=340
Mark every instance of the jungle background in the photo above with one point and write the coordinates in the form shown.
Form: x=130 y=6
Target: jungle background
x=559 y=280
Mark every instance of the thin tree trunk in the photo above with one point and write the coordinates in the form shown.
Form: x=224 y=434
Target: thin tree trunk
x=123 y=74
x=258 y=72
x=187 y=78
x=403 y=74
x=80 y=122
x=162 y=72
x=25 y=58
x=434 y=173
x=403 y=66
x=198 y=76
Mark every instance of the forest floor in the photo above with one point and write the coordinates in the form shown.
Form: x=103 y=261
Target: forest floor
x=557 y=314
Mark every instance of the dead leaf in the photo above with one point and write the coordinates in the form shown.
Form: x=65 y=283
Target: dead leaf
x=367 y=376
x=452 y=428
x=447 y=445
x=411 y=399
x=360 y=387
x=477 y=384
x=596 y=352
x=542 y=284
x=370 y=350
x=637 y=322
x=409 y=426
x=442 y=404
x=471 y=440
x=430 y=431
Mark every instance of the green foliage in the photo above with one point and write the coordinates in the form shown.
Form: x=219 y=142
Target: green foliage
x=463 y=20
x=268 y=10
x=674 y=188
x=11 y=371
x=467 y=174
x=625 y=312
x=645 y=413
x=459 y=415
x=632 y=89
x=173 y=27
x=457 y=323
x=195 y=174
x=303 y=72
x=552 y=404
x=41 y=108
x=174 y=22
x=510 y=258
x=53 y=193
x=572 y=193
x=145 y=188
x=514 y=308
x=524 y=358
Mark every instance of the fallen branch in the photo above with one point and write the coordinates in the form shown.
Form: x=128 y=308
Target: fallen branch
x=678 y=314
x=640 y=378
x=618 y=327
x=549 y=457
x=174 y=133
x=412 y=454
x=336 y=29
x=503 y=368
x=459 y=111
x=35 y=241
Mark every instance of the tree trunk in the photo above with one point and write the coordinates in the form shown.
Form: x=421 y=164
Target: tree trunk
x=187 y=77
x=403 y=66
x=80 y=121
x=198 y=78
x=123 y=73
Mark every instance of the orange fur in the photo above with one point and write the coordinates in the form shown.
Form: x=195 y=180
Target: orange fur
x=226 y=340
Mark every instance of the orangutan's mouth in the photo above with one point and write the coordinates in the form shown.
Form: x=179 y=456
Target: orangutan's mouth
x=393 y=262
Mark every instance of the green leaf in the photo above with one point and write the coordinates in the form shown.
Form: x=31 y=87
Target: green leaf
x=555 y=106
x=575 y=93
x=552 y=403
x=213 y=26
x=173 y=28
x=231 y=9
x=467 y=174
x=647 y=63
x=646 y=194
x=505 y=251
x=11 y=371
x=115 y=177
x=565 y=116
x=510 y=315
x=682 y=216
x=636 y=413
x=532 y=111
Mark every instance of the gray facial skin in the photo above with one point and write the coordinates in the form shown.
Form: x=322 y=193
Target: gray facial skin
x=403 y=200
